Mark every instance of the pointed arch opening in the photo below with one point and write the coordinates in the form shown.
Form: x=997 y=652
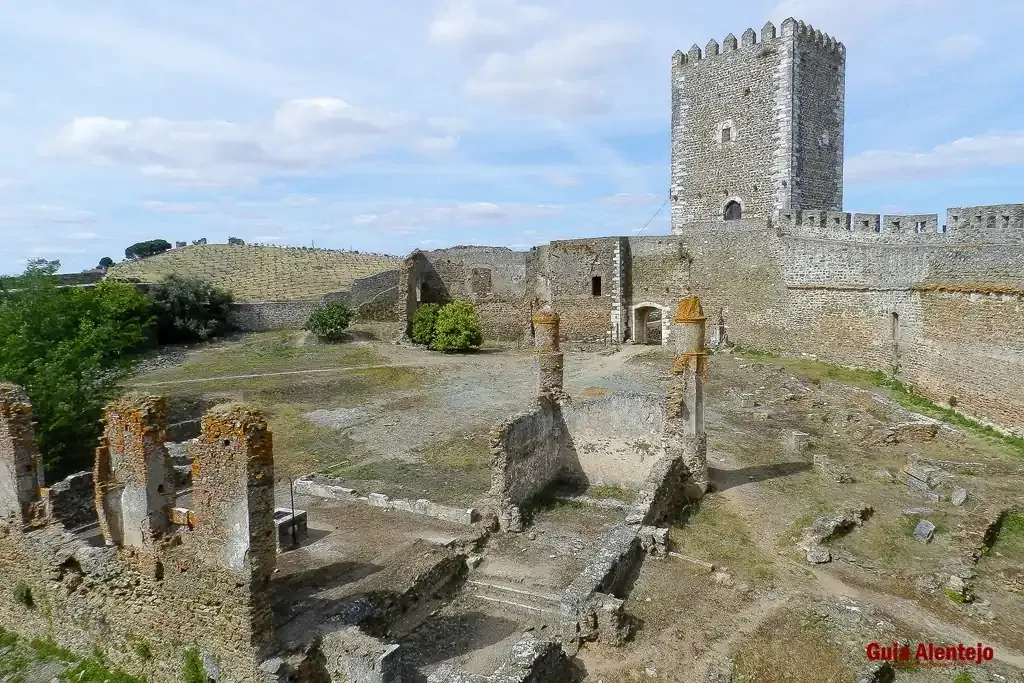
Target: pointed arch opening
x=732 y=211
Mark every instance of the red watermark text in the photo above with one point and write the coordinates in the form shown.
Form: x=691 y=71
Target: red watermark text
x=929 y=654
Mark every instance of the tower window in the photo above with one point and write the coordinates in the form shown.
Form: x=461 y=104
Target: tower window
x=921 y=226
x=727 y=135
x=595 y=285
x=733 y=211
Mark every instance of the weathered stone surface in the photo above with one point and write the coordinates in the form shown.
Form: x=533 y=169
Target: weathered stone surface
x=833 y=470
x=878 y=672
x=818 y=555
x=959 y=496
x=355 y=657
x=828 y=527
x=924 y=531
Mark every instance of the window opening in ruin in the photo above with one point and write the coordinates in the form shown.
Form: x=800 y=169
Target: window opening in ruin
x=424 y=290
x=727 y=134
x=595 y=285
x=920 y=226
x=733 y=211
x=896 y=224
x=895 y=321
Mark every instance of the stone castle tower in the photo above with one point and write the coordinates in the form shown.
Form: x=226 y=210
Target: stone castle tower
x=757 y=125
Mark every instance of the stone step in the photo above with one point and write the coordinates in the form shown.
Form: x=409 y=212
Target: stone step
x=532 y=599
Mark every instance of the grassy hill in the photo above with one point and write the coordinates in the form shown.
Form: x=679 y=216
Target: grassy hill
x=254 y=273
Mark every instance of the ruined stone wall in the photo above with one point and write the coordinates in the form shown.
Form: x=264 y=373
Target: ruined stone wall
x=493 y=278
x=373 y=298
x=265 y=316
x=612 y=439
x=525 y=459
x=143 y=605
x=572 y=267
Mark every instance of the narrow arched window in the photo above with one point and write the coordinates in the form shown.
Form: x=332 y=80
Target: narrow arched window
x=733 y=211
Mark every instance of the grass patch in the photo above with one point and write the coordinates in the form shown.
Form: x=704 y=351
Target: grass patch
x=716 y=534
x=816 y=371
x=23 y=595
x=611 y=491
x=192 y=668
x=789 y=649
x=16 y=659
x=460 y=453
x=7 y=638
x=263 y=353
x=963 y=677
x=1009 y=541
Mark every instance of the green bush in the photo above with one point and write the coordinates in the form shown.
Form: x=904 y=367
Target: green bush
x=423 y=322
x=23 y=594
x=192 y=670
x=457 y=328
x=190 y=310
x=328 y=323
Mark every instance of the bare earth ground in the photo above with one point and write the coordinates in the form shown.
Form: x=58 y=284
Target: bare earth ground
x=412 y=423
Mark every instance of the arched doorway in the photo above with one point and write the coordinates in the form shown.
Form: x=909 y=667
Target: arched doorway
x=733 y=211
x=648 y=323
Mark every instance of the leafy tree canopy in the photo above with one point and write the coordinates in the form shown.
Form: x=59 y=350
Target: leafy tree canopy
x=148 y=248
x=69 y=348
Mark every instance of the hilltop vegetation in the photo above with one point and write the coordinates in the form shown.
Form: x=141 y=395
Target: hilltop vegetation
x=259 y=273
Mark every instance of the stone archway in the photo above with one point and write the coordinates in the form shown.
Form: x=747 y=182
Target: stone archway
x=649 y=323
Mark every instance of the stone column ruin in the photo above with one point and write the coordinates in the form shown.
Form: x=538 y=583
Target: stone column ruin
x=21 y=466
x=133 y=474
x=233 y=504
x=550 y=360
x=684 y=416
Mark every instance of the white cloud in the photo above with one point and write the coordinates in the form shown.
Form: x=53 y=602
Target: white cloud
x=172 y=207
x=412 y=218
x=532 y=59
x=626 y=199
x=303 y=136
x=562 y=179
x=992 y=149
x=42 y=214
x=960 y=45
x=495 y=25
x=557 y=75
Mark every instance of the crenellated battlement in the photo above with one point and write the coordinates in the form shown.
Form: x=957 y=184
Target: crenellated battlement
x=984 y=224
x=791 y=29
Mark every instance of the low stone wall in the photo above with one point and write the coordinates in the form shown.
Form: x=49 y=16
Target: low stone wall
x=264 y=316
x=662 y=494
x=355 y=657
x=525 y=459
x=70 y=501
x=614 y=439
x=531 y=660
x=332 y=489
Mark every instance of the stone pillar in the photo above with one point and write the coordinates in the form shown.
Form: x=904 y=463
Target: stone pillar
x=549 y=353
x=684 y=422
x=133 y=473
x=233 y=504
x=21 y=467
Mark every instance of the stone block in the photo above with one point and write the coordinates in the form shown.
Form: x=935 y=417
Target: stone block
x=924 y=531
x=959 y=496
x=798 y=441
x=292 y=530
x=818 y=555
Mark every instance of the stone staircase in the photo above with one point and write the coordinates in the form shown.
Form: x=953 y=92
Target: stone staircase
x=535 y=601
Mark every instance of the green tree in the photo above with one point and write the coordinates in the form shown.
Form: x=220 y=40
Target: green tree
x=423 y=322
x=328 y=323
x=147 y=248
x=457 y=328
x=69 y=348
x=189 y=310
x=106 y=262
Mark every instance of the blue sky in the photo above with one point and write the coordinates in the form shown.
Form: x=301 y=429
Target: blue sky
x=395 y=124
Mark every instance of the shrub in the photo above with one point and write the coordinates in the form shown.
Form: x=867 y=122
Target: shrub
x=190 y=310
x=457 y=328
x=423 y=322
x=23 y=595
x=328 y=323
x=193 y=670
x=106 y=262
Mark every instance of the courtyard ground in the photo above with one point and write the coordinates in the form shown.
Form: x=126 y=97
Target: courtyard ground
x=412 y=424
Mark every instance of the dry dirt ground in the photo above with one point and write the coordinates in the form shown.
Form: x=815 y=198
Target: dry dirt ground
x=412 y=423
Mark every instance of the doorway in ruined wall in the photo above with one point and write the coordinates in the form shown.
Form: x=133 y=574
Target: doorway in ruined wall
x=647 y=324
